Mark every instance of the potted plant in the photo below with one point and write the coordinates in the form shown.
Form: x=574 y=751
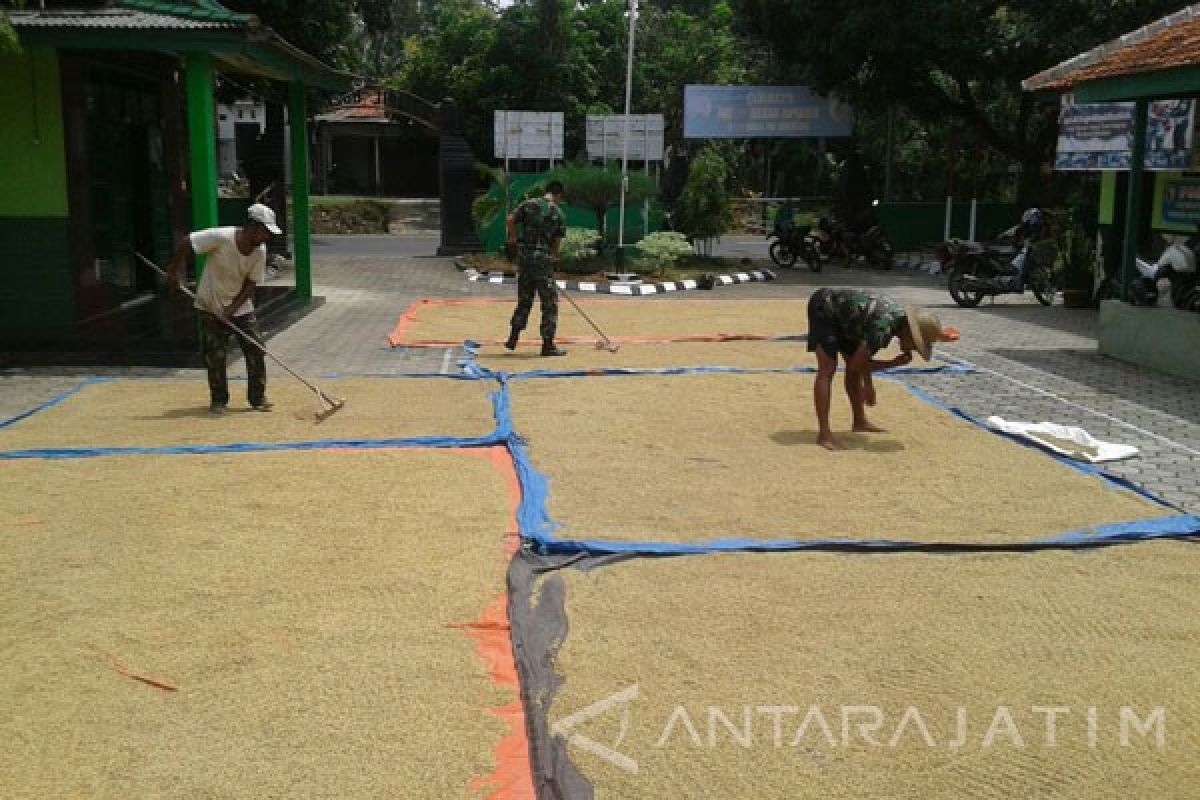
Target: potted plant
x=1079 y=261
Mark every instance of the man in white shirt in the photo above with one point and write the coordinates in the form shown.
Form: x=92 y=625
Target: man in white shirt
x=235 y=258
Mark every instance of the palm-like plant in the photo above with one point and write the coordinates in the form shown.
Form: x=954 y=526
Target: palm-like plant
x=497 y=202
x=599 y=189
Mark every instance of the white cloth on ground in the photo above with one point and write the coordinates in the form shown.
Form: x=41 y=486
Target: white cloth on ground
x=1068 y=441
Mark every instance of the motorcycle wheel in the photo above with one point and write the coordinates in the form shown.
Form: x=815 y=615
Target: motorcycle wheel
x=956 y=283
x=1044 y=293
x=782 y=255
x=813 y=259
x=1181 y=290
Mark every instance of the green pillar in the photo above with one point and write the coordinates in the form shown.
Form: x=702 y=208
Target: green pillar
x=301 y=233
x=1133 y=203
x=202 y=140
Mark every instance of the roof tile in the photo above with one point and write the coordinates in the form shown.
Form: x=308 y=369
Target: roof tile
x=1173 y=41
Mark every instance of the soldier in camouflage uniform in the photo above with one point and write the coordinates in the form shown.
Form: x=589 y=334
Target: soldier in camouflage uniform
x=537 y=227
x=856 y=324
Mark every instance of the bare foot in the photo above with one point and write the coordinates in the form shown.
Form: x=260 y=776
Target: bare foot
x=867 y=427
x=868 y=394
x=827 y=441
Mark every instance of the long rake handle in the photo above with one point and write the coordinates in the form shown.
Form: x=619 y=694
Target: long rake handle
x=595 y=327
x=234 y=327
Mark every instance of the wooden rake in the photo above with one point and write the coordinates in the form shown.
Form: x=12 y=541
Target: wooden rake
x=607 y=344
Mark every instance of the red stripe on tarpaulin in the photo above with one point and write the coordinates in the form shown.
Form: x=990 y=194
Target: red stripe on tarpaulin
x=397 y=337
x=512 y=778
x=697 y=337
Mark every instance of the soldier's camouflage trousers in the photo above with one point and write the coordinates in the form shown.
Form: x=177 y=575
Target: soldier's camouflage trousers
x=216 y=349
x=541 y=284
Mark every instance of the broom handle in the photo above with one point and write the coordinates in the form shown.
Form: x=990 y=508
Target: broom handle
x=234 y=327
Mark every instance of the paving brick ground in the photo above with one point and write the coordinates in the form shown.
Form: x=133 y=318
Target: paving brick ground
x=1035 y=363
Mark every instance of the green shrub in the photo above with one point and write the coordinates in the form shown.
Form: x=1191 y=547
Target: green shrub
x=495 y=202
x=663 y=249
x=579 y=244
x=703 y=209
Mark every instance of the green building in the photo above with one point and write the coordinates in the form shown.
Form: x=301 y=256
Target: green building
x=108 y=146
x=1160 y=61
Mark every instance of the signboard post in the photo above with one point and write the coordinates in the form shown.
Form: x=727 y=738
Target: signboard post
x=605 y=136
x=633 y=10
x=606 y=139
x=528 y=134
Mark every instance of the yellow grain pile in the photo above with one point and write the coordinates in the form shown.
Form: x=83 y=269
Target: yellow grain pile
x=299 y=603
x=752 y=355
x=628 y=318
x=698 y=457
x=129 y=413
x=737 y=353
x=945 y=660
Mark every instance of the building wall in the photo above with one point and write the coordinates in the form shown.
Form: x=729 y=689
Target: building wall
x=35 y=259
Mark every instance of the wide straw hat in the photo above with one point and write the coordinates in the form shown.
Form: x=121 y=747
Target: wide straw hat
x=926 y=329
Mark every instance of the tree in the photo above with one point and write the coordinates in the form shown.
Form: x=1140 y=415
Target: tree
x=452 y=61
x=321 y=28
x=8 y=37
x=676 y=48
x=946 y=60
x=599 y=189
x=552 y=55
x=703 y=208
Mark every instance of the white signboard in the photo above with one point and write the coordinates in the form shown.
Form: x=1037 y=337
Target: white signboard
x=605 y=135
x=529 y=134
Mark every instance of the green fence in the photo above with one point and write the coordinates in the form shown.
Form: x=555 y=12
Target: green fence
x=912 y=226
x=493 y=234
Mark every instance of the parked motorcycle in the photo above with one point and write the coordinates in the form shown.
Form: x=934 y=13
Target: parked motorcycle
x=975 y=271
x=1177 y=264
x=866 y=240
x=825 y=238
x=791 y=243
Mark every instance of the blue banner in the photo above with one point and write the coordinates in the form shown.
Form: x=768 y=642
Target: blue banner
x=762 y=112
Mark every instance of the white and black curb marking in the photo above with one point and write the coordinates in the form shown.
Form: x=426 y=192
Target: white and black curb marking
x=633 y=289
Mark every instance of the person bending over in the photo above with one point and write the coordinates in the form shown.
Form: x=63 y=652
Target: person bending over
x=856 y=324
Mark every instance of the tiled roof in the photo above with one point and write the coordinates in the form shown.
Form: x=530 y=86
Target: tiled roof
x=1173 y=41
x=368 y=107
x=248 y=44
x=114 y=19
x=208 y=10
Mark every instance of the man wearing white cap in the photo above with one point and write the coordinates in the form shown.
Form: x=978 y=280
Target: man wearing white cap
x=235 y=258
x=856 y=324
